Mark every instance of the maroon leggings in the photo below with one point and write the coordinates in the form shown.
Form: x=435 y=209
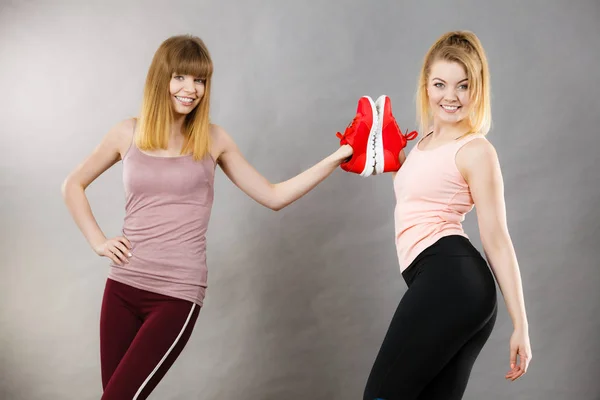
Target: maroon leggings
x=141 y=335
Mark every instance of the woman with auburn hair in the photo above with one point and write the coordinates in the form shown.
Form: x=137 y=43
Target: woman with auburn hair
x=158 y=275
x=449 y=310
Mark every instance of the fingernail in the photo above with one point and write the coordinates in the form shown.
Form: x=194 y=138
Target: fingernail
x=130 y=255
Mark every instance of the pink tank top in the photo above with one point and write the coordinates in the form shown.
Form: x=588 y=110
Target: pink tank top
x=167 y=210
x=432 y=199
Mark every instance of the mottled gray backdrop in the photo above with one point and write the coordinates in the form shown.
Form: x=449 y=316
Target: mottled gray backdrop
x=298 y=301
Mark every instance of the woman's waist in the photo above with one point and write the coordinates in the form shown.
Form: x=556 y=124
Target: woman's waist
x=161 y=272
x=416 y=230
x=160 y=221
x=448 y=249
x=167 y=233
x=405 y=218
x=161 y=247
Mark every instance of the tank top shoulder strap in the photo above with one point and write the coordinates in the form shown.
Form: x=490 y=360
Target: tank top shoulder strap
x=464 y=140
x=415 y=148
x=131 y=143
x=424 y=136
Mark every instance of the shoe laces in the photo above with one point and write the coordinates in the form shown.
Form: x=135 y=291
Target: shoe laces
x=411 y=136
x=407 y=136
x=349 y=129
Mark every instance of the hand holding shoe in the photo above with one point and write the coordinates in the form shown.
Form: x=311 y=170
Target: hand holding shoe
x=375 y=137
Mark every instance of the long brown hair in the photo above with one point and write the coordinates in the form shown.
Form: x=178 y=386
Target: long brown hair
x=185 y=55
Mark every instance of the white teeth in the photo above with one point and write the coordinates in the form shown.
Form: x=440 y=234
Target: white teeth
x=184 y=99
x=450 y=108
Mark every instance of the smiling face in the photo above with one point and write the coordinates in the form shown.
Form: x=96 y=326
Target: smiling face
x=448 y=92
x=186 y=92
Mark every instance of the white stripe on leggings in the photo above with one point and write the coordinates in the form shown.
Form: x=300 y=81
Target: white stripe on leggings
x=166 y=354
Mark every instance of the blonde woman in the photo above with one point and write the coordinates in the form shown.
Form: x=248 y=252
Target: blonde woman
x=449 y=310
x=158 y=275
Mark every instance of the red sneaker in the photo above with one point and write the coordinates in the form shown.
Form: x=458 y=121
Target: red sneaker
x=360 y=134
x=389 y=140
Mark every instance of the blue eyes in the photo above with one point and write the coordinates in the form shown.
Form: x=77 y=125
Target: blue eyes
x=441 y=85
x=181 y=78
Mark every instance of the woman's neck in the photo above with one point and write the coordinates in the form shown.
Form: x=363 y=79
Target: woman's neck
x=449 y=131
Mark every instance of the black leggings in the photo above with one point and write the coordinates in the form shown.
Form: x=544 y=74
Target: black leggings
x=441 y=324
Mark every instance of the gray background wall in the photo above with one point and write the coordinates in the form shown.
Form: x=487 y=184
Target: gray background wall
x=299 y=300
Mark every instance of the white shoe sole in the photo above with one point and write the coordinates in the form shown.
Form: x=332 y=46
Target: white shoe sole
x=370 y=161
x=379 y=154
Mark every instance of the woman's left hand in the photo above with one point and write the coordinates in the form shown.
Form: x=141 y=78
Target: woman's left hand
x=519 y=345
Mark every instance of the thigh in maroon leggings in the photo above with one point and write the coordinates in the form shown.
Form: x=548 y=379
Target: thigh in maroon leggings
x=141 y=335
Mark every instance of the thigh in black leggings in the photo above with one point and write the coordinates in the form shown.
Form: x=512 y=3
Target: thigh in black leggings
x=439 y=328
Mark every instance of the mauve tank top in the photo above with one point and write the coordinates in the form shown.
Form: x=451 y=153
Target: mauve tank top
x=167 y=210
x=432 y=199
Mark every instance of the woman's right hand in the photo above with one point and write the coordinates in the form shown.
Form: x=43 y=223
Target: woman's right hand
x=117 y=249
x=344 y=153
